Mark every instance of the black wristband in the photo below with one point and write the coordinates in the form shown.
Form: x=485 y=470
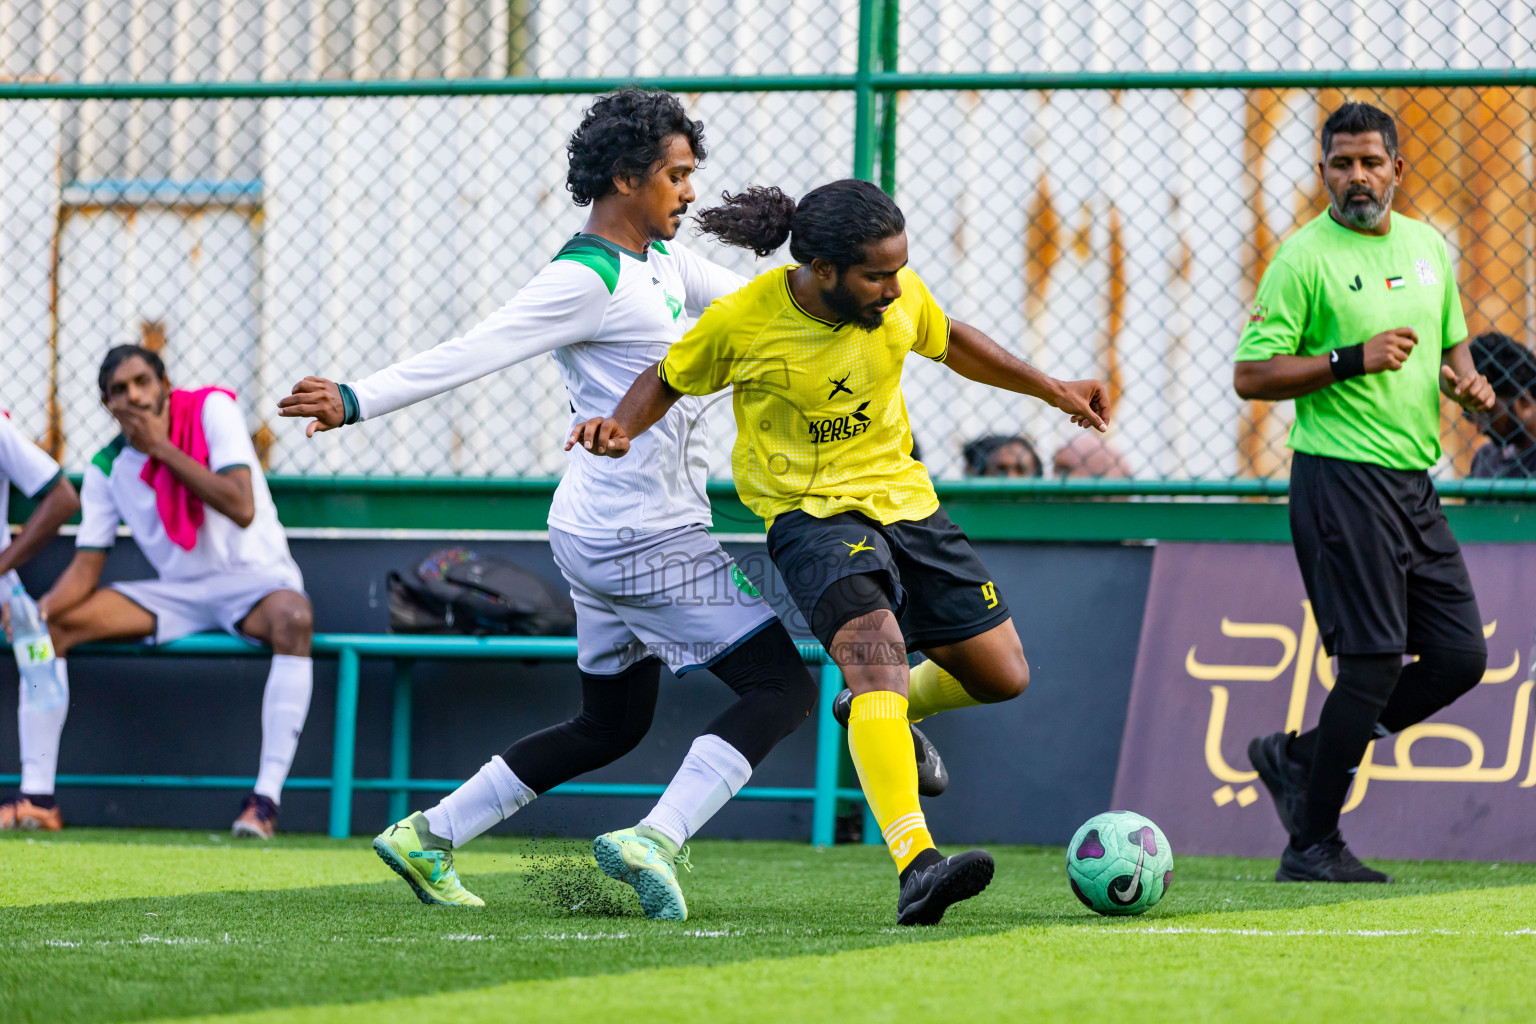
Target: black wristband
x=349 y=407
x=1347 y=362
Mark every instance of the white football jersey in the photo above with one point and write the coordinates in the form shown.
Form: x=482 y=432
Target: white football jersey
x=607 y=314
x=24 y=464
x=113 y=492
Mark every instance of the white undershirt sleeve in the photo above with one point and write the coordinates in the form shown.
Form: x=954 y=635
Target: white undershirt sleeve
x=703 y=281
x=562 y=305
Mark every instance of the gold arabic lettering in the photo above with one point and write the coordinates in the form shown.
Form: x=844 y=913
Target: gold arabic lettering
x=1309 y=656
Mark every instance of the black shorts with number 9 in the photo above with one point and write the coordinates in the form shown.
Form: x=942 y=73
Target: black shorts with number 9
x=940 y=590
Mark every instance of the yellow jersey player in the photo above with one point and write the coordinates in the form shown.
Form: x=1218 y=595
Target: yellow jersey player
x=813 y=353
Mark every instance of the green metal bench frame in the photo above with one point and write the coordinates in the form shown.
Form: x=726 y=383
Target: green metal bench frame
x=350 y=648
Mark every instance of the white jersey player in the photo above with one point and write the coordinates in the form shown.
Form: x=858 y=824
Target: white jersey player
x=608 y=305
x=184 y=478
x=34 y=473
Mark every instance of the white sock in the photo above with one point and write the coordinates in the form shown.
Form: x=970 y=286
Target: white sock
x=284 y=707
x=493 y=794
x=712 y=773
x=40 y=731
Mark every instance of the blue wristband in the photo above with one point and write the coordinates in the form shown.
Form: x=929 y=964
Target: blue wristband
x=350 y=412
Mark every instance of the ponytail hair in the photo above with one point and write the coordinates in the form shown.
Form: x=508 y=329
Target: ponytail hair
x=758 y=219
x=833 y=223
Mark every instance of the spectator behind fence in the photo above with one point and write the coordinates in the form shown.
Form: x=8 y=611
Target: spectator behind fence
x=183 y=476
x=1090 y=455
x=1511 y=424
x=997 y=455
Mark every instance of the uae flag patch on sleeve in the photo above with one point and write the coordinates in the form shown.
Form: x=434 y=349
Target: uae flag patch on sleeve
x=1394 y=283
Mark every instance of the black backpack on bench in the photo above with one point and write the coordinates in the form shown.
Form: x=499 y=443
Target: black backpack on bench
x=459 y=591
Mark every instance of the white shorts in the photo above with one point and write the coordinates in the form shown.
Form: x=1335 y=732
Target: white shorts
x=184 y=607
x=674 y=594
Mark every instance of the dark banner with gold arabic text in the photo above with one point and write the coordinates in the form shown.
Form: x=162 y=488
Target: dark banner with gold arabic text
x=1229 y=651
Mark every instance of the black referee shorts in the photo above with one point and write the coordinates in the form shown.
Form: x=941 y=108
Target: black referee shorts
x=1381 y=567
x=940 y=590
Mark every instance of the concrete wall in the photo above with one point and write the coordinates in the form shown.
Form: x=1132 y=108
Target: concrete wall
x=1028 y=771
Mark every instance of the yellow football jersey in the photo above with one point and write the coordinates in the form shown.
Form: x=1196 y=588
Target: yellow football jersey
x=821 y=424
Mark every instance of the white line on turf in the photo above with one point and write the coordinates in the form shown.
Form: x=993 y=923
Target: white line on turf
x=698 y=933
x=1367 y=933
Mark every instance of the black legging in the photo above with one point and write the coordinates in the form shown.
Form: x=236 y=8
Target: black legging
x=775 y=693
x=1375 y=695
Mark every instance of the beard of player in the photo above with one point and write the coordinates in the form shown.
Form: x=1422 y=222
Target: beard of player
x=1361 y=208
x=841 y=301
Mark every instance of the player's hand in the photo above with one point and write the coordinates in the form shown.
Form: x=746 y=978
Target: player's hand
x=1471 y=392
x=1085 y=401
x=5 y=617
x=600 y=437
x=146 y=430
x=1389 y=350
x=317 y=397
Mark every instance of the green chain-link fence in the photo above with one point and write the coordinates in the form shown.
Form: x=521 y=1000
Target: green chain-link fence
x=270 y=188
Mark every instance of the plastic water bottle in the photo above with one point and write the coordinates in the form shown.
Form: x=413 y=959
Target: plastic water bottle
x=40 y=686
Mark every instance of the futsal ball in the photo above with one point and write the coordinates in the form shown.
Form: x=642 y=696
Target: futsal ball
x=1119 y=863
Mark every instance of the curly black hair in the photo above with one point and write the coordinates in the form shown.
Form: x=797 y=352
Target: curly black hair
x=832 y=223
x=621 y=136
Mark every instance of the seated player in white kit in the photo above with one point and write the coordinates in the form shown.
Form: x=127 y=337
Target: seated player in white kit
x=34 y=473
x=609 y=304
x=184 y=477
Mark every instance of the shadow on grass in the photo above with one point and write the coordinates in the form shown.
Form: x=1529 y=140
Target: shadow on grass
x=137 y=958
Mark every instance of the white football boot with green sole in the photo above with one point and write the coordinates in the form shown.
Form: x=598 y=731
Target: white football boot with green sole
x=425 y=861
x=646 y=861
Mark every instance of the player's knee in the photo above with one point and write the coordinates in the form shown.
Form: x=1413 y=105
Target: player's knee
x=1012 y=678
x=617 y=734
x=1462 y=670
x=629 y=733
x=803 y=693
x=64 y=639
x=1005 y=678
x=795 y=694
x=66 y=632
x=293 y=626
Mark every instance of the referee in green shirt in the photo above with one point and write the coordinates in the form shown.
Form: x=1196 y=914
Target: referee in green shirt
x=1359 y=321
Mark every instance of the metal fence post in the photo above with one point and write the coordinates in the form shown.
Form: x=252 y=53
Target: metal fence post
x=890 y=23
x=828 y=743
x=344 y=749
x=400 y=738
x=864 y=141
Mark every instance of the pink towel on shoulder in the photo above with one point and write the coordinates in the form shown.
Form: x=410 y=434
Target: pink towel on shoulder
x=180 y=510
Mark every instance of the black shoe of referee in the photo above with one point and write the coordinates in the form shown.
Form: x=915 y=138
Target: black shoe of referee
x=932 y=778
x=1283 y=775
x=926 y=892
x=1326 y=861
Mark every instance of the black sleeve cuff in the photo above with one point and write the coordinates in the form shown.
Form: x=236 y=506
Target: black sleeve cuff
x=1347 y=362
x=350 y=411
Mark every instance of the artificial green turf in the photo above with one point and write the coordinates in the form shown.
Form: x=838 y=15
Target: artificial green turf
x=106 y=926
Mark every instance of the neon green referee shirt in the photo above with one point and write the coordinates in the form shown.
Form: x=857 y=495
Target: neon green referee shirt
x=1330 y=287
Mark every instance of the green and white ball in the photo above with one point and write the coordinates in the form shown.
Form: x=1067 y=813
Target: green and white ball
x=1119 y=863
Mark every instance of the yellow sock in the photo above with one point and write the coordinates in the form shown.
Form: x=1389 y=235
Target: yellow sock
x=881 y=744
x=934 y=690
